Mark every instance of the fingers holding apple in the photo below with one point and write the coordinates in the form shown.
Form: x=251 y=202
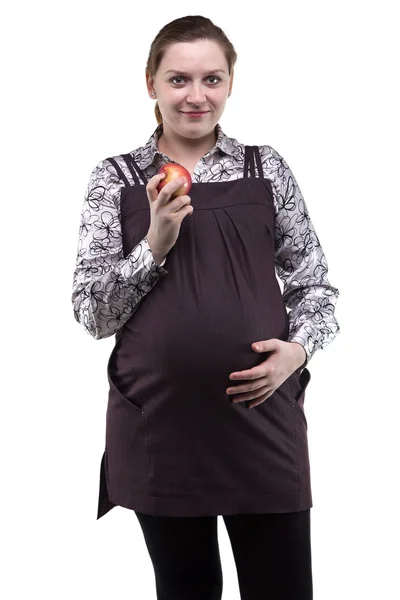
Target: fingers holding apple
x=153 y=189
x=152 y=185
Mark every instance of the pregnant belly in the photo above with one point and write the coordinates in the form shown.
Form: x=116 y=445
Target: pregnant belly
x=193 y=348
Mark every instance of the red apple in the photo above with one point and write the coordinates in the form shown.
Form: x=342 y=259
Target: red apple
x=175 y=171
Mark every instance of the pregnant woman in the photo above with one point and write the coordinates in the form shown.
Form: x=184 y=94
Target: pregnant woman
x=208 y=374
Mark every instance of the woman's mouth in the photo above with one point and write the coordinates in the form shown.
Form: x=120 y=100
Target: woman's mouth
x=195 y=114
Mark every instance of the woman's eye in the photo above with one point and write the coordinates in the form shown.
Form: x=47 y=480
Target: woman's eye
x=210 y=77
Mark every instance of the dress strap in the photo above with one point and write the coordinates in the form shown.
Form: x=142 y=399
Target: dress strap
x=134 y=169
x=119 y=171
x=258 y=161
x=252 y=156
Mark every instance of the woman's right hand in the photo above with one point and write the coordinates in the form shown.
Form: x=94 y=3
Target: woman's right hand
x=166 y=215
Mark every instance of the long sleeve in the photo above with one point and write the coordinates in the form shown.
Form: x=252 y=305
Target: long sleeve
x=107 y=287
x=301 y=265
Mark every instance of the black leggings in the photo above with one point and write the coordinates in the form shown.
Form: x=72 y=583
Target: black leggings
x=272 y=554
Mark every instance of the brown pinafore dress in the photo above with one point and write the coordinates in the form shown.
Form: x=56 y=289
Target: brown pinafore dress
x=175 y=444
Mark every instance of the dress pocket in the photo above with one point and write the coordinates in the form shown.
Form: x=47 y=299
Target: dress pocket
x=300 y=383
x=118 y=388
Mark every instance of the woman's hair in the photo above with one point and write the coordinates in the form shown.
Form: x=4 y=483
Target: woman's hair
x=186 y=29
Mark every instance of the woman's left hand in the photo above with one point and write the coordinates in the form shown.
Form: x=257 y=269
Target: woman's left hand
x=265 y=378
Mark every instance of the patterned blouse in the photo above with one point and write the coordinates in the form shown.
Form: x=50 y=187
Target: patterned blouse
x=108 y=288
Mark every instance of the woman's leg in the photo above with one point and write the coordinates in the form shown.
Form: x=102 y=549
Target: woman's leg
x=185 y=556
x=272 y=554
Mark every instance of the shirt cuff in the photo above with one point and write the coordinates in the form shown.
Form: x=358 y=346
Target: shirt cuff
x=300 y=341
x=148 y=253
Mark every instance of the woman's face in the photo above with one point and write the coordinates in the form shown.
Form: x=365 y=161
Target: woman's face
x=185 y=82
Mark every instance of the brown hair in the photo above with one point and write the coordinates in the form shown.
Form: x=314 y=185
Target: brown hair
x=186 y=29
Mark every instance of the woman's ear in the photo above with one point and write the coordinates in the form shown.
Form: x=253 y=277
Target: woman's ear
x=149 y=83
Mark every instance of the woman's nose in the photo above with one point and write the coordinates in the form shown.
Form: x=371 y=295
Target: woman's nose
x=196 y=96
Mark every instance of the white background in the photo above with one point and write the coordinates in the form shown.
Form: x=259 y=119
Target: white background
x=317 y=81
